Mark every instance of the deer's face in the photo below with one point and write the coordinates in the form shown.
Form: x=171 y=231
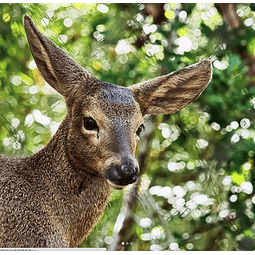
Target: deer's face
x=105 y=120
x=104 y=131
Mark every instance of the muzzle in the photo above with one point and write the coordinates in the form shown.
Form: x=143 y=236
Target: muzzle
x=123 y=174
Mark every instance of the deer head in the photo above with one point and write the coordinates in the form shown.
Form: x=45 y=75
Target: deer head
x=104 y=121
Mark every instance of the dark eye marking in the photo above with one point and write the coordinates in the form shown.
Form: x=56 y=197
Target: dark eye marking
x=140 y=129
x=90 y=124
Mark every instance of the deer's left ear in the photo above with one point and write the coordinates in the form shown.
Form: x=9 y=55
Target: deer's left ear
x=56 y=67
x=172 y=92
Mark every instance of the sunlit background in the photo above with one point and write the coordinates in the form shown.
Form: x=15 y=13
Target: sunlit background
x=196 y=190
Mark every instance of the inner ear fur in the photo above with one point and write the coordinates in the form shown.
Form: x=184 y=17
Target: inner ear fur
x=171 y=92
x=56 y=67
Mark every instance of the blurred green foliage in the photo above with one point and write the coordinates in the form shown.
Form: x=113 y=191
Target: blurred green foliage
x=197 y=190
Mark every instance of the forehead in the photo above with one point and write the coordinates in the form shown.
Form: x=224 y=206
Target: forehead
x=116 y=100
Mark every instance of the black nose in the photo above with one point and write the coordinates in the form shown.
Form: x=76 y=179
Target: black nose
x=123 y=174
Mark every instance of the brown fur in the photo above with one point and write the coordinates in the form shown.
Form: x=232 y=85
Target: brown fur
x=55 y=197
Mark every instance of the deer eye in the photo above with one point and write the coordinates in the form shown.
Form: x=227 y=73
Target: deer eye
x=140 y=129
x=90 y=124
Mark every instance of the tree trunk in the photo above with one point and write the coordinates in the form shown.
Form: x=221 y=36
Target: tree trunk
x=156 y=10
x=231 y=18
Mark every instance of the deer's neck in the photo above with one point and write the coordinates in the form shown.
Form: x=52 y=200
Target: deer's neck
x=82 y=194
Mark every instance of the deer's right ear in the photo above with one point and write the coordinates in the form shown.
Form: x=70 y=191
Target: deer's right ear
x=56 y=67
x=172 y=92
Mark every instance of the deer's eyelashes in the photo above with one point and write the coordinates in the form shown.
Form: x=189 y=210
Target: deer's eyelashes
x=140 y=129
x=90 y=124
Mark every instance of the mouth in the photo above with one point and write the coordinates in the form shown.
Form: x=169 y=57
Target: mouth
x=117 y=186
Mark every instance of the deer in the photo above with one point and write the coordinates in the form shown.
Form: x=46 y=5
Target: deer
x=56 y=196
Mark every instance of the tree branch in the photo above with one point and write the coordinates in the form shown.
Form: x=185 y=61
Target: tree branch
x=130 y=201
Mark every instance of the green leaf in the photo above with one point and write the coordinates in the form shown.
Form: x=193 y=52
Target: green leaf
x=237 y=178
